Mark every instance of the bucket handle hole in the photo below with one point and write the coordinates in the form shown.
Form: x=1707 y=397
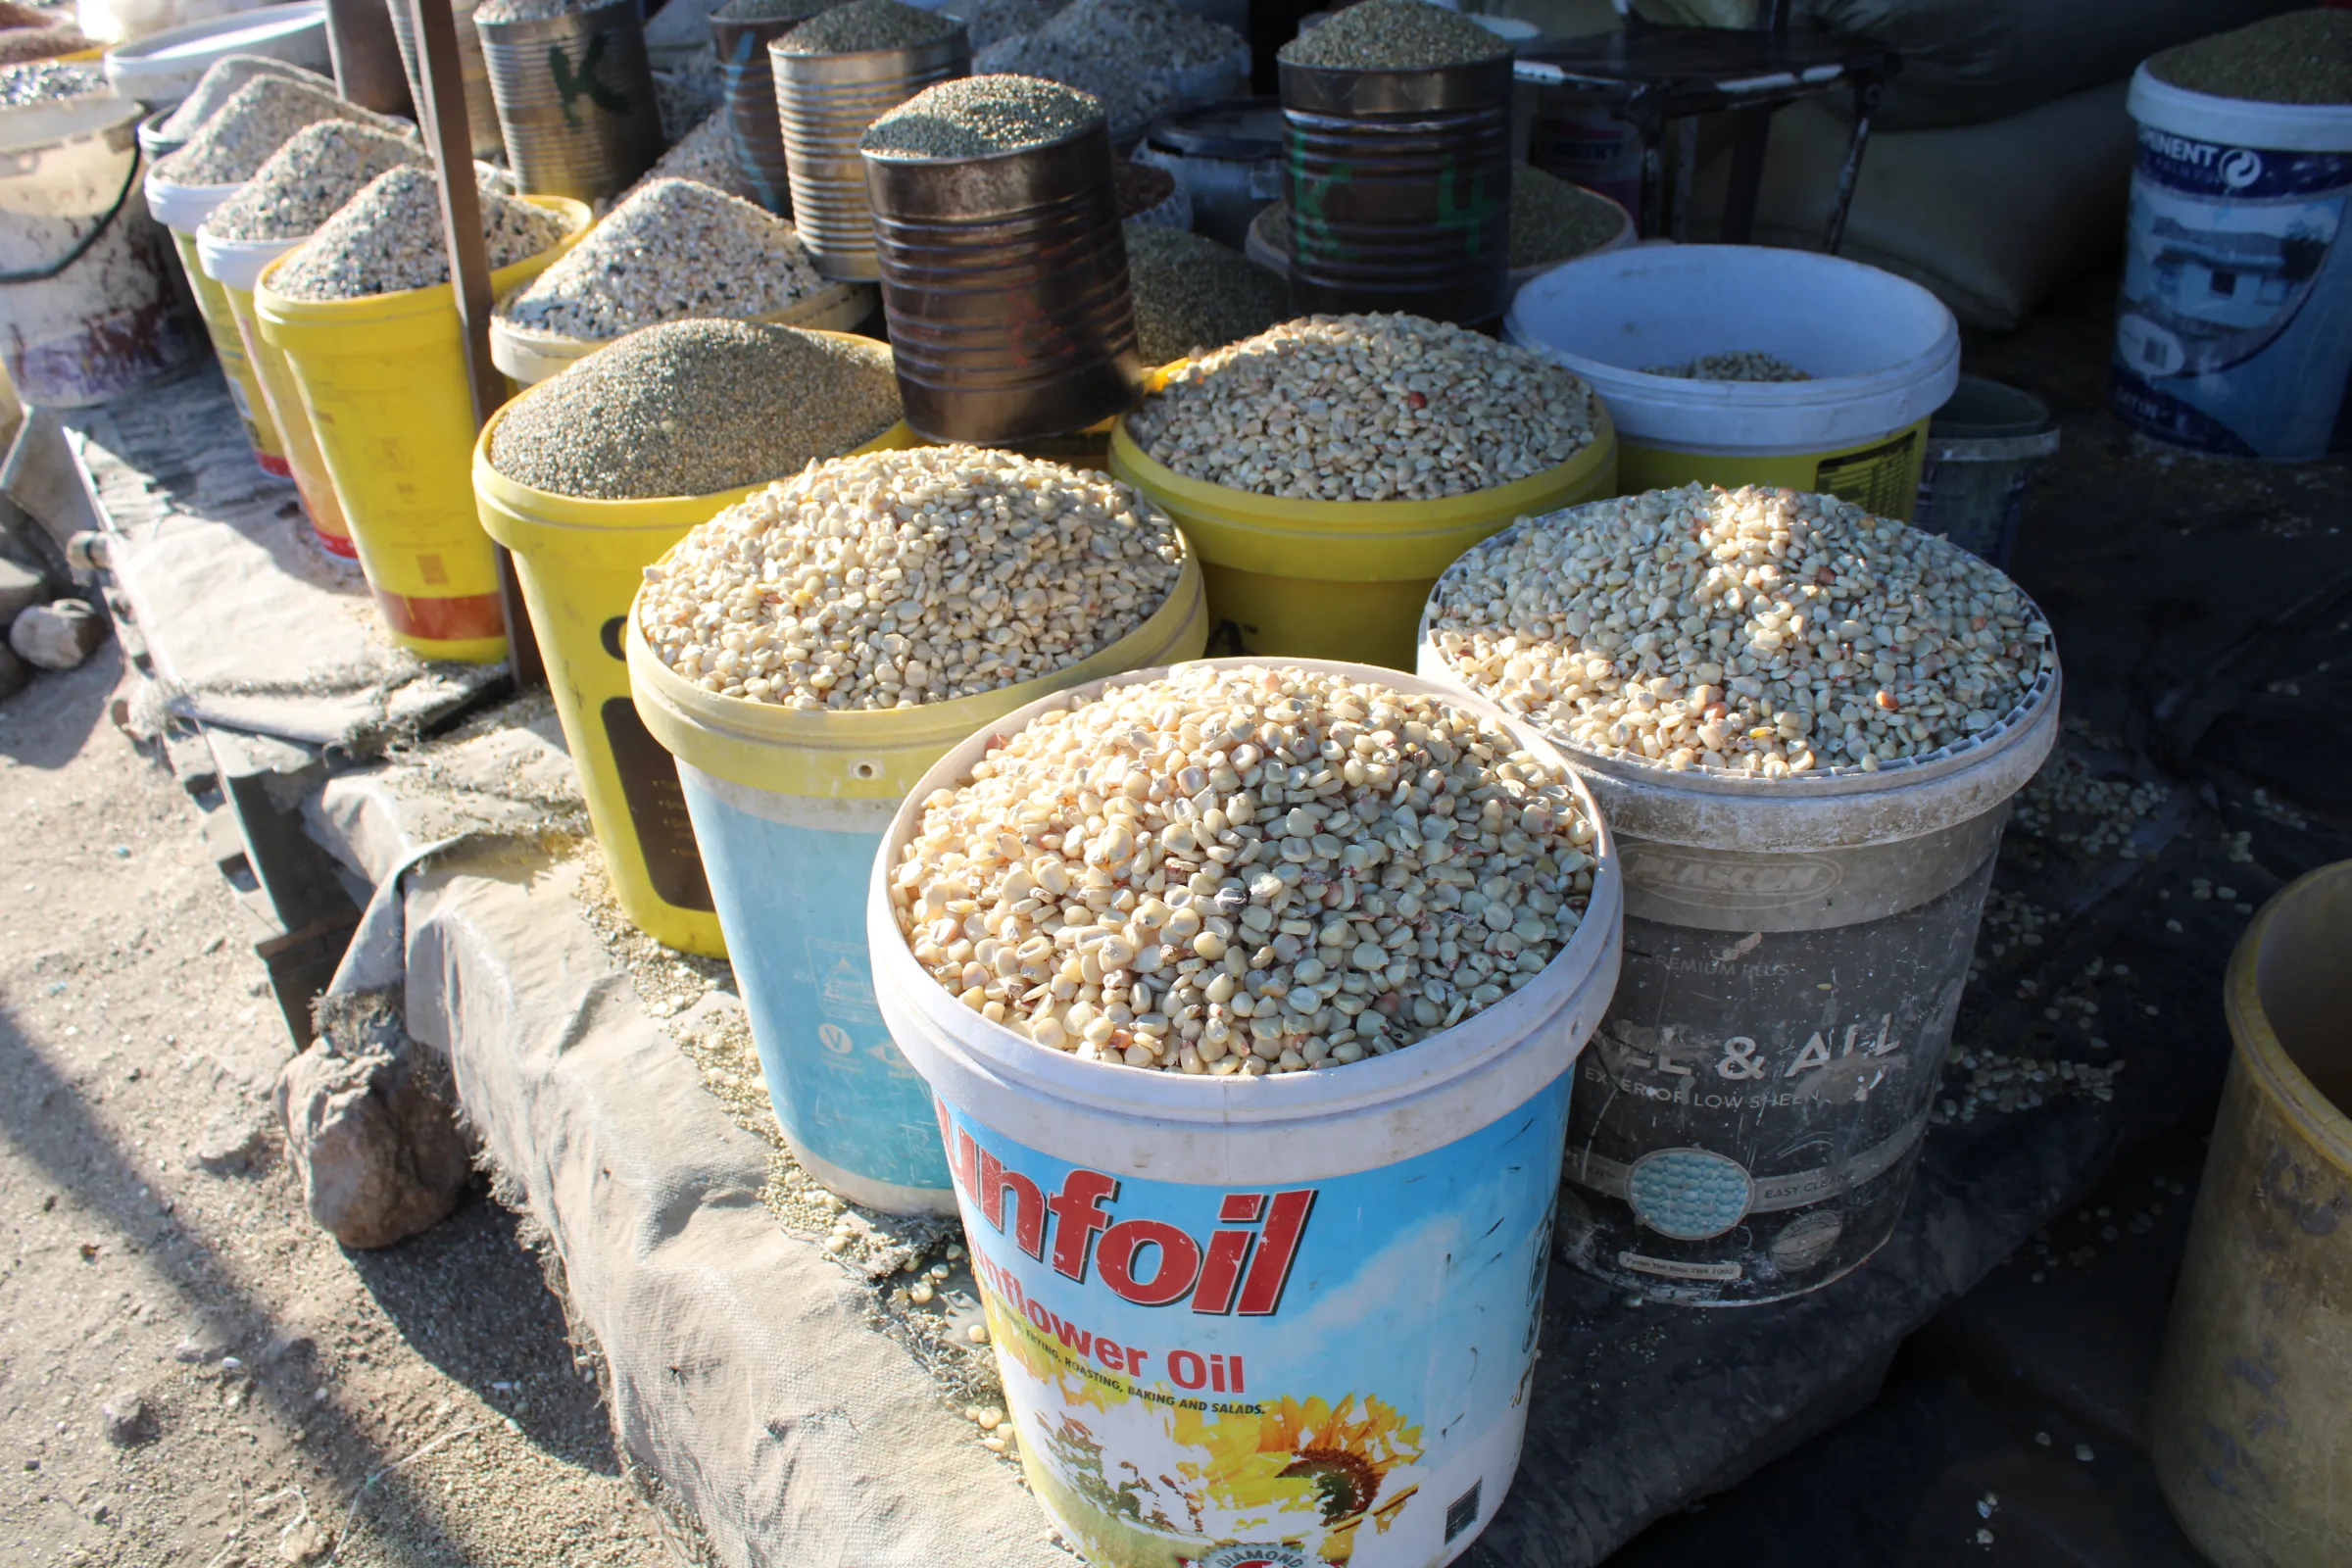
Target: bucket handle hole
x=865 y=769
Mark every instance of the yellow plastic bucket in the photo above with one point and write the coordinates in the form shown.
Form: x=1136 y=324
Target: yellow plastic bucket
x=529 y=357
x=386 y=385
x=1344 y=579
x=580 y=563
x=1881 y=354
x=180 y=202
x=2248 y=1425
x=790 y=809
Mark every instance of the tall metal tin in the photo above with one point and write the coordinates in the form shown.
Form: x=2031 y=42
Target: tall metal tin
x=1005 y=283
x=754 y=132
x=481 y=110
x=1399 y=185
x=824 y=102
x=575 y=100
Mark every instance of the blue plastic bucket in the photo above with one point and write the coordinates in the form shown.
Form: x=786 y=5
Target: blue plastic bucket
x=788 y=810
x=2234 y=334
x=1288 y=1320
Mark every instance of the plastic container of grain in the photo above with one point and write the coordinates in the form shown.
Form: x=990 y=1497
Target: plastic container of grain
x=2233 y=337
x=789 y=810
x=183 y=210
x=1342 y=579
x=1882 y=352
x=1299 y=1309
x=383 y=380
x=1749 y=1119
x=580 y=563
x=528 y=356
x=235 y=268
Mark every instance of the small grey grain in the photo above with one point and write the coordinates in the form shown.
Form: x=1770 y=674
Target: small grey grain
x=220 y=84
x=309 y=179
x=47 y=82
x=261 y=116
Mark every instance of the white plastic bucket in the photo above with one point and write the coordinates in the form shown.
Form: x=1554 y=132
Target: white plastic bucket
x=163 y=68
x=1305 y=1331
x=787 y=810
x=2234 y=334
x=91 y=303
x=1884 y=355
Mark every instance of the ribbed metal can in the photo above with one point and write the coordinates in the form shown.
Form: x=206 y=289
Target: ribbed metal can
x=481 y=110
x=1399 y=185
x=753 y=131
x=575 y=100
x=824 y=102
x=1004 y=284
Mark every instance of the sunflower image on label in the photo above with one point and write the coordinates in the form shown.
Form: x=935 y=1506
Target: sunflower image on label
x=1293 y=1375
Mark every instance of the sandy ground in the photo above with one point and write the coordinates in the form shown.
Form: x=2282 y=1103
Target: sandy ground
x=283 y=1401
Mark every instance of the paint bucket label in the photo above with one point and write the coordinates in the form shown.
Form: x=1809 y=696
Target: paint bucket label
x=1305 y=1373
x=2235 y=335
x=1586 y=145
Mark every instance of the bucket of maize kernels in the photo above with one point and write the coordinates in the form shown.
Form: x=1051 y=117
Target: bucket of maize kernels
x=1806 y=724
x=1257 y=1132
x=1748 y=364
x=897 y=602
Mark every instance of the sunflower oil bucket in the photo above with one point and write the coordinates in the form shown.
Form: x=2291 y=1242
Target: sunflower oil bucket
x=183 y=210
x=1240 y=1328
x=528 y=356
x=1342 y=579
x=91 y=303
x=236 y=267
x=1883 y=355
x=384 y=381
x=1749 y=1119
x=790 y=809
x=2251 y=1429
x=2233 y=337
x=580 y=563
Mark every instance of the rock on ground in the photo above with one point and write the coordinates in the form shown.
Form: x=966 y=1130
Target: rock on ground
x=59 y=635
x=371 y=1134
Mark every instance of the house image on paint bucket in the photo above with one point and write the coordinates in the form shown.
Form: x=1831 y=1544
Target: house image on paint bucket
x=2228 y=280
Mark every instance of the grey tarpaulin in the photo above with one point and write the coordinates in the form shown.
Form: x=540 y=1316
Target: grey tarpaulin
x=253 y=626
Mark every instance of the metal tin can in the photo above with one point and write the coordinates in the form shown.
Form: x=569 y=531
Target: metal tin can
x=481 y=110
x=824 y=102
x=754 y=132
x=575 y=100
x=1399 y=185
x=1005 y=283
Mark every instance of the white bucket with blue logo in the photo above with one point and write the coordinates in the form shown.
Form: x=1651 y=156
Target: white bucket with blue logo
x=1287 y=1320
x=788 y=809
x=2234 y=334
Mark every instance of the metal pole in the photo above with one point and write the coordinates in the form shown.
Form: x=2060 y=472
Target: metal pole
x=451 y=139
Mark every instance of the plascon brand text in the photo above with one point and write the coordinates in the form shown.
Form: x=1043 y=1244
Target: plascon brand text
x=1240 y=1267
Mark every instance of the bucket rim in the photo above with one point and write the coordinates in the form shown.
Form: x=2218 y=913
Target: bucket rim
x=85 y=117
x=284 y=309
x=142 y=59
x=2237 y=122
x=544 y=508
x=1678 y=414
x=2327 y=1126
x=240 y=262
x=1014 y=1064
x=1478 y=507
x=682 y=709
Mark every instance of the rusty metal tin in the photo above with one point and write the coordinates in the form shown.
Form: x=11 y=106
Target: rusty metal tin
x=753 y=131
x=1005 y=283
x=575 y=100
x=824 y=102
x=1399 y=185
x=481 y=110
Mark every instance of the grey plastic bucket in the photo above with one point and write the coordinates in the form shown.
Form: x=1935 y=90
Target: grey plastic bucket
x=1748 y=1118
x=1982 y=447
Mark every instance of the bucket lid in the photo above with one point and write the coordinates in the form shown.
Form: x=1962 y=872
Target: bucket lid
x=1238 y=129
x=164 y=67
